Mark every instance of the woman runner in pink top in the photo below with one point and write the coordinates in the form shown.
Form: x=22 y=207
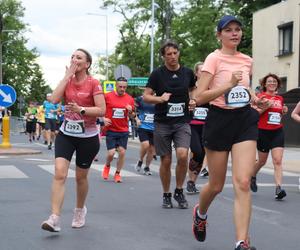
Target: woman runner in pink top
x=84 y=102
x=231 y=126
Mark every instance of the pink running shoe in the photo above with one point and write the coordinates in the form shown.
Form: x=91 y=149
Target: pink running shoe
x=79 y=217
x=52 y=224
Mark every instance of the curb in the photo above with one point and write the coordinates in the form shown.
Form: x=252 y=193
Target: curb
x=18 y=151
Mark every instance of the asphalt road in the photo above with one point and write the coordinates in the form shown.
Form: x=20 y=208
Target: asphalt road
x=128 y=216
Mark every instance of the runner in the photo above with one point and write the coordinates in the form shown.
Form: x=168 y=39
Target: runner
x=50 y=117
x=197 y=150
x=145 y=123
x=231 y=126
x=296 y=113
x=84 y=101
x=270 y=133
x=40 y=126
x=119 y=107
x=168 y=88
x=31 y=121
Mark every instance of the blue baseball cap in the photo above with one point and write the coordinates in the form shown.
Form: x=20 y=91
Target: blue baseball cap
x=225 y=20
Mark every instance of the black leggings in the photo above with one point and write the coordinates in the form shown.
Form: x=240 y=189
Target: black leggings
x=196 y=143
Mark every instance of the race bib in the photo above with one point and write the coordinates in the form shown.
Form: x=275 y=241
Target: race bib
x=176 y=109
x=31 y=117
x=118 y=113
x=74 y=127
x=149 y=118
x=274 y=118
x=50 y=115
x=200 y=113
x=237 y=97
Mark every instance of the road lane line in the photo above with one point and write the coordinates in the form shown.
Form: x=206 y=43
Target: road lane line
x=11 y=172
x=51 y=170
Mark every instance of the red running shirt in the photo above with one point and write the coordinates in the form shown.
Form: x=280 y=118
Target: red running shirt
x=271 y=118
x=116 y=111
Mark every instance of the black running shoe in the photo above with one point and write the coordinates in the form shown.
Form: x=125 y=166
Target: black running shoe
x=167 y=200
x=253 y=184
x=147 y=171
x=180 y=198
x=204 y=173
x=244 y=246
x=199 y=225
x=49 y=147
x=191 y=188
x=279 y=193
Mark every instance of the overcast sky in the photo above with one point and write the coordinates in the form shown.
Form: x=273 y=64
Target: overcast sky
x=58 y=27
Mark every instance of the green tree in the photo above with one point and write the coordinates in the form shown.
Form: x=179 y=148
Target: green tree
x=20 y=69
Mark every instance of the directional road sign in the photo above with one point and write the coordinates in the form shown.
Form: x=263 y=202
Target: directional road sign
x=8 y=95
x=138 y=81
x=122 y=70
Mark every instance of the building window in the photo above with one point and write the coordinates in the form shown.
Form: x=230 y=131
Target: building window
x=285 y=38
x=282 y=89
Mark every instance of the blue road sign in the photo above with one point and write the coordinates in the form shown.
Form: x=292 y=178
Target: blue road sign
x=8 y=95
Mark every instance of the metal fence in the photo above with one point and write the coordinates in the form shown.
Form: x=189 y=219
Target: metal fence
x=17 y=125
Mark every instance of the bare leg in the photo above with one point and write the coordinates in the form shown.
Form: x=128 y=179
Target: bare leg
x=277 y=155
x=82 y=186
x=217 y=165
x=121 y=159
x=181 y=167
x=58 y=184
x=243 y=160
x=165 y=172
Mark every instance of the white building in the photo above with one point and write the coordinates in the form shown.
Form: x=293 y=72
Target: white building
x=276 y=43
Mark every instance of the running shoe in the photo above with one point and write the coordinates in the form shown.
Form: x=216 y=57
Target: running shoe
x=49 y=147
x=199 y=225
x=155 y=157
x=180 y=198
x=244 y=246
x=167 y=200
x=116 y=155
x=138 y=166
x=52 y=224
x=147 y=171
x=79 y=217
x=204 y=172
x=105 y=172
x=117 y=178
x=279 y=193
x=191 y=188
x=253 y=184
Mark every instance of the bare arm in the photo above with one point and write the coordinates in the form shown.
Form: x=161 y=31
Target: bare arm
x=97 y=111
x=149 y=97
x=58 y=92
x=204 y=95
x=295 y=114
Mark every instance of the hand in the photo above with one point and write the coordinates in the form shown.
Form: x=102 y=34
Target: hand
x=237 y=76
x=138 y=122
x=73 y=106
x=129 y=108
x=70 y=71
x=165 y=97
x=192 y=104
x=107 y=122
x=263 y=103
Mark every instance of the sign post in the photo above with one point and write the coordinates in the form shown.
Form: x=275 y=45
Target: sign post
x=8 y=97
x=138 y=81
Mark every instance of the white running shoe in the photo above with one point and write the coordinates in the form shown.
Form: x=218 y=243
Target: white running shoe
x=52 y=224
x=79 y=217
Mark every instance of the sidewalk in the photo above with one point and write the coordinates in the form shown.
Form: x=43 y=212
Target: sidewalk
x=291 y=158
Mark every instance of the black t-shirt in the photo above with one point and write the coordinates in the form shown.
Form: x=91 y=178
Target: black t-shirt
x=178 y=84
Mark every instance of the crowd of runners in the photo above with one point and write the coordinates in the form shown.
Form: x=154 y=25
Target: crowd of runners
x=205 y=116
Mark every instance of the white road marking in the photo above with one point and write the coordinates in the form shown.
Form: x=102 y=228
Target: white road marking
x=36 y=159
x=11 y=172
x=51 y=170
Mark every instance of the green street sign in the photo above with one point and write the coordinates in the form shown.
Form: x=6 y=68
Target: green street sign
x=138 y=81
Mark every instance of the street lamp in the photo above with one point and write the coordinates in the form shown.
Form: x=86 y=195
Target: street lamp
x=106 y=35
x=153 y=6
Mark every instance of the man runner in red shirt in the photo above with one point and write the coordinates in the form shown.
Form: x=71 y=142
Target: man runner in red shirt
x=119 y=107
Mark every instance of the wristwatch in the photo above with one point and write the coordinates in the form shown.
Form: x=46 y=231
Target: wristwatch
x=82 y=110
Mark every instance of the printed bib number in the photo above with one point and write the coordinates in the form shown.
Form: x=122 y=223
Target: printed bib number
x=74 y=127
x=237 y=97
x=274 y=118
x=200 y=113
x=118 y=113
x=50 y=116
x=176 y=109
x=149 y=118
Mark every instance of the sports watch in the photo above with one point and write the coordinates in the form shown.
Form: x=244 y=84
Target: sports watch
x=82 y=110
